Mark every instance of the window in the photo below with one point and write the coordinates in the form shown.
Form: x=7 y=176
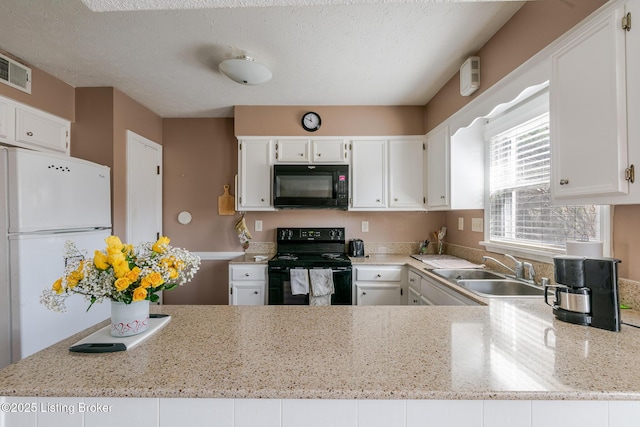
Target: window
x=520 y=212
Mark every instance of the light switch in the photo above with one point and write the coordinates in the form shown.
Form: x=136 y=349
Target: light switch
x=258 y=225
x=477 y=224
x=460 y=223
x=365 y=226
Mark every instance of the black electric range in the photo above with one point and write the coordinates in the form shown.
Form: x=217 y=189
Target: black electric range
x=309 y=248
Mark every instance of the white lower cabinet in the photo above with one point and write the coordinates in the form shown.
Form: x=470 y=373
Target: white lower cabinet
x=413 y=296
x=423 y=290
x=379 y=285
x=247 y=284
x=379 y=294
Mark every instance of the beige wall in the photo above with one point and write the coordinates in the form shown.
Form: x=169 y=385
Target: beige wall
x=92 y=132
x=200 y=157
x=532 y=28
x=47 y=93
x=336 y=120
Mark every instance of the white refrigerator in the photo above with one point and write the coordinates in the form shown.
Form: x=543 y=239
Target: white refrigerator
x=45 y=200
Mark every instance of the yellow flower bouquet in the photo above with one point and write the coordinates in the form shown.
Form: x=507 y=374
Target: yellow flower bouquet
x=121 y=273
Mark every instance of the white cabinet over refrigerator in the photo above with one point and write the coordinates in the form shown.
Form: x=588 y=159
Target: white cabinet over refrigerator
x=46 y=199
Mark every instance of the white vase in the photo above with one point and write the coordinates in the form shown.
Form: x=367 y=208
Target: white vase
x=129 y=319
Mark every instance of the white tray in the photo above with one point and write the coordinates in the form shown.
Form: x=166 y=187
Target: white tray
x=102 y=341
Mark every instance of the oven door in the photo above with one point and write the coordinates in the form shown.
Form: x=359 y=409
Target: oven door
x=280 y=287
x=342 y=285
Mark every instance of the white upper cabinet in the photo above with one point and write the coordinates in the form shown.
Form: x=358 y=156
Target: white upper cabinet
x=406 y=177
x=7 y=114
x=295 y=150
x=27 y=127
x=455 y=168
x=369 y=174
x=254 y=175
x=292 y=151
x=438 y=168
x=592 y=78
x=329 y=151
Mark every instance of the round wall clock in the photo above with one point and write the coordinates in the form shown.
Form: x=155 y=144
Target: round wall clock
x=311 y=121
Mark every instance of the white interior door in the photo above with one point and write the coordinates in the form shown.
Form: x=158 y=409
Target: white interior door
x=144 y=189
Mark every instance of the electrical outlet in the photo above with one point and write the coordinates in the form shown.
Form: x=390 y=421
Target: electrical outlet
x=258 y=225
x=460 y=223
x=365 y=226
x=477 y=224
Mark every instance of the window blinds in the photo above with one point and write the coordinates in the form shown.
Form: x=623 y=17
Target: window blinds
x=520 y=199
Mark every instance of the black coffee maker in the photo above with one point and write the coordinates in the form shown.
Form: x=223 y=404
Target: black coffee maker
x=586 y=291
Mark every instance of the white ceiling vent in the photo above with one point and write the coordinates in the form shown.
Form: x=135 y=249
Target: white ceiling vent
x=470 y=76
x=15 y=74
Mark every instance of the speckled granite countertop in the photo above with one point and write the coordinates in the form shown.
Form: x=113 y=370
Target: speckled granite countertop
x=511 y=349
x=252 y=258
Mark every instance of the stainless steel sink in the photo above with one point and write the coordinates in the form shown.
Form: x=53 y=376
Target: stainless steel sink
x=464 y=274
x=500 y=288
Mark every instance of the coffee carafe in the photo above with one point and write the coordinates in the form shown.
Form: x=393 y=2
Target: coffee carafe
x=586 y=292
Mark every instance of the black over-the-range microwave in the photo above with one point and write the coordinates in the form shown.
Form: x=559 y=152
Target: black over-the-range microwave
x=311 y=186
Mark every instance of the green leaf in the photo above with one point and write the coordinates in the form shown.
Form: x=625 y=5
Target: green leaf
x=154 y=298
x=170 y=286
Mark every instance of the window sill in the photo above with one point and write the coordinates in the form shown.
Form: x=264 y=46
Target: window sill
x=521 y=251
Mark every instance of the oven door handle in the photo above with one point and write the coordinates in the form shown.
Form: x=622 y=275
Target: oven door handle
x=335 y=270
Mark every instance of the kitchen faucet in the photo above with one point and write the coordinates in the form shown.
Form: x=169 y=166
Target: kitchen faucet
x=518 y=270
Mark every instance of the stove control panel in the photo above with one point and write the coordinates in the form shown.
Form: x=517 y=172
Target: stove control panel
x=307 y=234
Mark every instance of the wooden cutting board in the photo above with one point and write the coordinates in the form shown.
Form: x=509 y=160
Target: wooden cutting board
x=226 y=203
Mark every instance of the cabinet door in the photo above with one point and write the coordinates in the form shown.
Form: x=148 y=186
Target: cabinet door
x=250 y=293
x=368 y=174
x=438 y=168
x=378 y=294
x=7 y=112
x=437 y=294
x=406 y=168
x=41 y=130
x=254 y=180
x=329 y=151
x=414 y=297
x=588 y=112
x=292 y=151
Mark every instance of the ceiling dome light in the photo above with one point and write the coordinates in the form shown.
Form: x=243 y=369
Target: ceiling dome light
x=244 y=70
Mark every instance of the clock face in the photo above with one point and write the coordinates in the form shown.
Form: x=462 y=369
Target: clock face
x=311 y=121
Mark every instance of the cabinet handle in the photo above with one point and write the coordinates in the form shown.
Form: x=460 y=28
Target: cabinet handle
x=246 y=274
x=255 y=292
x=29 y=133
x=564 y=181
x=364 y=293
x=262 y=200
x=395 y=200
x=301 y=154
x=377 y=200
x=378 y=275
x=319 y=154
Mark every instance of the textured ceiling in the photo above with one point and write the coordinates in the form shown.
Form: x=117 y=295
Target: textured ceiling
x=349 y=52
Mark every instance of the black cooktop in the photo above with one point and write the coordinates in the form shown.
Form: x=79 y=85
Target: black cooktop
x=310 y=247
